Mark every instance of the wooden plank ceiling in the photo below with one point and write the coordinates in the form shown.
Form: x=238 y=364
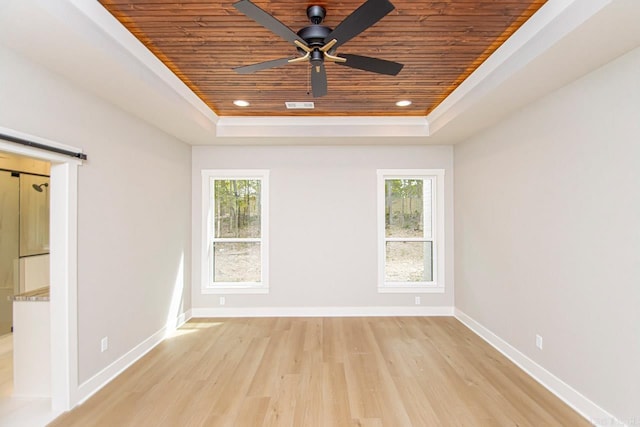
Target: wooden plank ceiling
x=439 y=42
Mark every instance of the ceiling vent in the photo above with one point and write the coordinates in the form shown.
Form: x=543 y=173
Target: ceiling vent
x=300 y=105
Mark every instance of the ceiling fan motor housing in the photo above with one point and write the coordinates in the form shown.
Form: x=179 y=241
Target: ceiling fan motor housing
x=314 y=34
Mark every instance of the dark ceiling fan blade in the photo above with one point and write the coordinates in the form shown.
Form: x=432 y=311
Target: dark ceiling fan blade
x=266 y=20
x=374 y=65
x=360 y=19
x=248 y=69
x=318 y=81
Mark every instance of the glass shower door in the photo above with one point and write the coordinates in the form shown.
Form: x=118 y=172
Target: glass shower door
x=9 y=246
x=34 y=215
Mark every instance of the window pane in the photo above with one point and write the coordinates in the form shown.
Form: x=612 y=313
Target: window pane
x=404 y=208
x=237 y=207
x=236 y=262
x=428 y=208
x=409 y=262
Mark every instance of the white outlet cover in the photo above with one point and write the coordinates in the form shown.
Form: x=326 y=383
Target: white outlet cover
x=539 y=342
x=104 y=344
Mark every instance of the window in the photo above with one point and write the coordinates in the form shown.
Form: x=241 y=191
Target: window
x=235 y=225
x=411 y=230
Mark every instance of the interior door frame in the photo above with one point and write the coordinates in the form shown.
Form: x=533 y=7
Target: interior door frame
x=64 y=262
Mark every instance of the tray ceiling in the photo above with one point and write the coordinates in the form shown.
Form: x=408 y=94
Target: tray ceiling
x=440 y=44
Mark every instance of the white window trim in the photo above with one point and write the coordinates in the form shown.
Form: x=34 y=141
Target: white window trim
x=207 y=286
x=437 y=285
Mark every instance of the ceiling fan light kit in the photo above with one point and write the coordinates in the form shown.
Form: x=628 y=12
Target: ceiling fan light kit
x=317 y=43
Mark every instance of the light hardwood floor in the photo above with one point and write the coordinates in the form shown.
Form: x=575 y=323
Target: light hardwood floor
x=6 y=365
x=394 y=371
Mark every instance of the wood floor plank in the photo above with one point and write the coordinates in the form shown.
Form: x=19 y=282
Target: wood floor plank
x=252 y=411
x=282 y=405
x=291 y=354
x=317 y=372
x=313 y=335
x=309 y=394
x=265 y=379
x=335 y=398
x=333 y=340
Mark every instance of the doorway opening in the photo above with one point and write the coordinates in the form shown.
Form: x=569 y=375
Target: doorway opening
x=24 y=274
x=62 y=332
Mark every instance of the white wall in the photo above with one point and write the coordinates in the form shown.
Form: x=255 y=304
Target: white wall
x=133 y=209
x=323 y=248
x=548 y=236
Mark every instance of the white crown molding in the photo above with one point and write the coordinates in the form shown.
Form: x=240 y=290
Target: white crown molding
x=555 y=385
x=352 y=126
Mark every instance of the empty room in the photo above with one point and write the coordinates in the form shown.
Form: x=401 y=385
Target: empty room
x=322 y=213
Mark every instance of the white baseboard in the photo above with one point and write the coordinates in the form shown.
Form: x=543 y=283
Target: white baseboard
x=562 y=390
x=183 y=318
x=320 y=311
x=102 y=378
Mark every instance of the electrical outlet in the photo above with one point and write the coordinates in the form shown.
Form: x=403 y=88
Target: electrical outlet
x=223 y=301
x=418 y=302
x=539 y=342
x=104 y=344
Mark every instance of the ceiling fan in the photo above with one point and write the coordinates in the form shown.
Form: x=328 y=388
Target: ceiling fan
x=318 y=43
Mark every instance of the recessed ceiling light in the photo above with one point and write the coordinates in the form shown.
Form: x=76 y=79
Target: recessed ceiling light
x=403 y=103
x=241 y=103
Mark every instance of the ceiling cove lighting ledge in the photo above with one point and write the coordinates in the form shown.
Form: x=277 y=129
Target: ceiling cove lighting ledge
x=157 y=93
x=115 y=66
x=96 y=13
x=551 y=23
x=352 y=126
